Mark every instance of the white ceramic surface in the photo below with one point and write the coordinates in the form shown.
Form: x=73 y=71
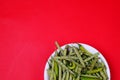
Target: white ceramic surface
x=86 y=46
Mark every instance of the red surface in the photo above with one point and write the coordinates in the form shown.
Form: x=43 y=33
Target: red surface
x=28 y=30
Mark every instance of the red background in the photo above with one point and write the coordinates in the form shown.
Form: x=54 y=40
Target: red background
x=29 y=28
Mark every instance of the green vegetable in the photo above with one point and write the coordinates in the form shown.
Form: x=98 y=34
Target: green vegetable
x=67 y=75
x=60 y=72
x=64 y=74
x=79 y=56
x=103 y=75
x=56 y=69
x=94 y=71
x=76 y=63
x=84 y=50
x=67 y=57
x=91 y=57
x=71 y=65
x=87 y=78
x=63 y=66
x=93 y=63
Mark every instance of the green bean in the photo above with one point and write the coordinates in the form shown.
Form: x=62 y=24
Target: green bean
x=51 y=76
x=76 y=69
x=65 y=53
x=93 y=63
x=54 y=76
x=64 y=74
x=104 y=69
x=91 y=57
x=72 y=54
x=79 y=56
x=79 y=69
x=56 y=69
x=60 y=63
x=49 y=73
x=67 y=57
x=76 y=63
x=71 y=50
x=70 y=77
x=86 y=78
x=60 y=72
x=103 y=75
x=80 y=52
x=78 y=77
x=90 y=76
x=73 y=78
x=94 y=71
x=84 y=50
x=67 y=75
x=98 y=75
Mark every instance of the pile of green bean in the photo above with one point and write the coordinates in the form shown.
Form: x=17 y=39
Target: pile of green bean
x=74 y=63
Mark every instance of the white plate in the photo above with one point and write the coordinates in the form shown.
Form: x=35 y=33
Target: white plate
x=86 y=46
